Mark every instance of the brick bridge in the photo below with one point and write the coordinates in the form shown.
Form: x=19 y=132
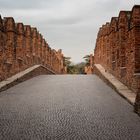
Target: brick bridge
x=66 y=107
x=22 y=46
x=118 y=50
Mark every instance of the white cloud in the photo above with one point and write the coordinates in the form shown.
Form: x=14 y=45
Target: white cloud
x=68 y=24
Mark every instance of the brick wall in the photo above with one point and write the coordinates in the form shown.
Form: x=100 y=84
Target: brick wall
x=118 y=47
x=22 y=46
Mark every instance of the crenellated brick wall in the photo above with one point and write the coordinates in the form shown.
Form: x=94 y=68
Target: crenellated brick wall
x=22 y=46
x=118 y=47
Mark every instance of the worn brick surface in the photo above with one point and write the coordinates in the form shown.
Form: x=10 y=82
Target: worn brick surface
x=2 y=49
x=118 y=47
x=10 y=52
x=22 y=46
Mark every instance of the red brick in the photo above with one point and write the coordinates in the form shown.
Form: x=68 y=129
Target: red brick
x=22 y=46
x=118 y=47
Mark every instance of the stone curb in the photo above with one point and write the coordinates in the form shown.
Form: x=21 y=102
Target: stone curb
x=22 y=76
x=119 y=87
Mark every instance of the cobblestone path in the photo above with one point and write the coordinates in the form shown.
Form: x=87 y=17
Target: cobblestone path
x=77 y=107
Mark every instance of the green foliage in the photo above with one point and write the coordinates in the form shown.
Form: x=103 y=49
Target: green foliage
x=76 y=68
x=87 y=60
x=67 y=61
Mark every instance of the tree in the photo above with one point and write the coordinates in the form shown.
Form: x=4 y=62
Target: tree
x=74 y=68
x=67 y=61
x=87 y=60
x=80 y=67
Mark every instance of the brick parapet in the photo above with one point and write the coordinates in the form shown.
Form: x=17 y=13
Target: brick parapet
x=22 y=46
x=118 y=47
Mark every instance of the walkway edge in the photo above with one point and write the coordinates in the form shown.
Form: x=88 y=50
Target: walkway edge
x=24 y=75
x=119 y=87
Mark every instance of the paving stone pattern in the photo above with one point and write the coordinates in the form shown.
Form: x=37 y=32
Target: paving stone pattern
x=78 y=107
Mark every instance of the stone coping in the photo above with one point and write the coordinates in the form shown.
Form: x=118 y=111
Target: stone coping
x=10 y=81
x=121 y=89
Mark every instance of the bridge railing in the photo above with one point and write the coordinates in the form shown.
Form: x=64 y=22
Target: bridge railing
x=118 y=49
x=22 y=46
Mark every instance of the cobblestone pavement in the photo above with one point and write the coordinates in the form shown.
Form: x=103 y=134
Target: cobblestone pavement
x=66 y=108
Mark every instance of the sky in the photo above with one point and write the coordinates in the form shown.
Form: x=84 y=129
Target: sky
x=70 y=25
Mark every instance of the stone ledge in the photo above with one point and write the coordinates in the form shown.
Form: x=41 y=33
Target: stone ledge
x=121 y=89
x=24 y=75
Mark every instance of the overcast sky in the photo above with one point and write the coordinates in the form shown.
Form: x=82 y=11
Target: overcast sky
x=71 y=25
